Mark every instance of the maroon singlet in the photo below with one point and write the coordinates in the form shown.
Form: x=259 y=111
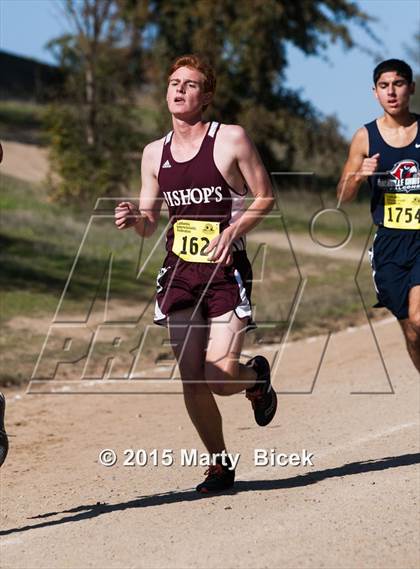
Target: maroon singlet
x=196 y=190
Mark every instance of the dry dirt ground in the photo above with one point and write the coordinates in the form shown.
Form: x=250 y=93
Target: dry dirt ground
x=303 y=243
x=356 y=507
x=25 y=161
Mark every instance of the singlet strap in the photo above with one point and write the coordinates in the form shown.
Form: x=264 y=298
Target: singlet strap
x=205 y=152
x=417 y=139
x=213 y=129
x=166 y=154
x=375 y=140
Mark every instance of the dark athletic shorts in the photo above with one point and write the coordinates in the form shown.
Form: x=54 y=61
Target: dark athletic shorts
x=395 y=260
x=216 y=289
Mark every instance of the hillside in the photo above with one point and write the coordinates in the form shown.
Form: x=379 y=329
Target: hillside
x=27 y=79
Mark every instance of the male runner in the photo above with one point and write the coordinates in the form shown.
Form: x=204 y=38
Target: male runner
x=202 y=171
x=386 y=152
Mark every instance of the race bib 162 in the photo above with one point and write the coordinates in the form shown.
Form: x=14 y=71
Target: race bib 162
x=191 y=238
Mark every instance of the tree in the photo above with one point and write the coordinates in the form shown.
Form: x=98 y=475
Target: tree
x=92 y=128
x=414 y=54
x=92 y=132
x=247 y=43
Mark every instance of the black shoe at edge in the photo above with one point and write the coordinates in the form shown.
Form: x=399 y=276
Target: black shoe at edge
x=4 y=443
x=262 y=395
x=218 y=478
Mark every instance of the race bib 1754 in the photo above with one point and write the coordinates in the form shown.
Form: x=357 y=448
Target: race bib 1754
x=402 y=211
x=191 y=238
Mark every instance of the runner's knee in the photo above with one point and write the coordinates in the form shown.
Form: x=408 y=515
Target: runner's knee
x=191 y=374
x=218 y=377
x=220 y=388
x=195 y=388
x=412 y=335
x=414 y=321
x=220 y=372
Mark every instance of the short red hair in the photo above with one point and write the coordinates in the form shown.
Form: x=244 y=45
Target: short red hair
x=200 y=64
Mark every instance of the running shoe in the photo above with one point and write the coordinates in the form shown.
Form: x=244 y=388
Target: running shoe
x=4 y=443
x=262 y=395
x=218 y=478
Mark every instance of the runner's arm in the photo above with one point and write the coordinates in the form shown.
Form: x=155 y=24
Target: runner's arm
x=357 y=168
x=257 y=180
x=150 y=201
x=144 y=218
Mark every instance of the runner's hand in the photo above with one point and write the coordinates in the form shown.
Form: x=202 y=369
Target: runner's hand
x=221 y=249
x=369 y=166
x=126 y=215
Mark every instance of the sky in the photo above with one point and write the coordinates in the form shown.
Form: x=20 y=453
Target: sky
x=338 y=84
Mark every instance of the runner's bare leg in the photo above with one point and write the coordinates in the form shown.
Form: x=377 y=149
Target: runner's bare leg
x=189 y=346
x=223 y=372
x=411 y=326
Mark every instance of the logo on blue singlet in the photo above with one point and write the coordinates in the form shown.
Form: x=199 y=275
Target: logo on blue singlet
x=403 y=177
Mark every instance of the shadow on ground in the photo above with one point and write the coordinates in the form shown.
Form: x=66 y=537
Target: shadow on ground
x=86 y=512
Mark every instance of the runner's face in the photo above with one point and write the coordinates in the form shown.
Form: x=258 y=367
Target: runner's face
x=393 y=92
x=185 y=95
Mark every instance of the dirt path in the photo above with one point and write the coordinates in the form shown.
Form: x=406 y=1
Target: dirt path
x=356 y=507
x=25 y=161
x=302 y=243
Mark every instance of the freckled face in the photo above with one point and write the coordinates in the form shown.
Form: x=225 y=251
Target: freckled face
x=185 y=94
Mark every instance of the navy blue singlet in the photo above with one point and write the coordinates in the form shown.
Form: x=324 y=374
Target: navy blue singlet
x=396 y=183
